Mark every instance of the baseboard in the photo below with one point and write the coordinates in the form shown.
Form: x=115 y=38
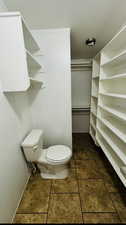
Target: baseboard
x=21 y=197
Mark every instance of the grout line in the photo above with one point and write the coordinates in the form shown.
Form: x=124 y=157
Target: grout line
x=89 y=179
x=49 y=201
x=115 y=207
x=100 y=212
x=79 y=196
x=32 y=213
x=109 y=194
x=66 y=193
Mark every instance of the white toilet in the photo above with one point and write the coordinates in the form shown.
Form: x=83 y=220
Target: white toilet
x=53 y=161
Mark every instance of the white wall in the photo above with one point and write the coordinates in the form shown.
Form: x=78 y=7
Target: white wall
x=15 y=122
x=80 y=122
x=51 y=108
x=3 y=7
x=81 y=89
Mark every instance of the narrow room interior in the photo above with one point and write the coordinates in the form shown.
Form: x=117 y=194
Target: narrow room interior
x=63 y=112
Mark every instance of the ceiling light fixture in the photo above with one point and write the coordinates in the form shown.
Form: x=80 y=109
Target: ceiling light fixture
x=90 y=42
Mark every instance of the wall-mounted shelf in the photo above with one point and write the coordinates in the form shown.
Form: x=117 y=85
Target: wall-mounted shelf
x=111 y=105
x=118 y=76
x=94 y=96
x=30 y=42
x=36 y=81
x=115 y=112
x=111 y=142
x=113 y=95
x=95 y=77
x=17 y=53
x=33 y=64
x=113 y=159
x=121 y=58
x=113 y=128
x=94 y=113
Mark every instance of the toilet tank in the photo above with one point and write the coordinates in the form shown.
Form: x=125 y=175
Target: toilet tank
x=33 y=145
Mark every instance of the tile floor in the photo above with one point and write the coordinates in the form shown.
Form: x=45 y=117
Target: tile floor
x=91 y=194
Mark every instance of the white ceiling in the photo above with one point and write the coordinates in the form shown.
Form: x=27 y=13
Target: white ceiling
x=86 y=18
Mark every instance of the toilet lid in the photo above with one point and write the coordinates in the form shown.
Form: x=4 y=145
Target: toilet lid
x=58 y=153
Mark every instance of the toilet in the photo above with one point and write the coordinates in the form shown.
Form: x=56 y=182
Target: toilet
x=53 y=162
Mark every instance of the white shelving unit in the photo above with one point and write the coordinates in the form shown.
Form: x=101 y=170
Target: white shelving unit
x=94 y=96
x=111 y=113
x=18 y=51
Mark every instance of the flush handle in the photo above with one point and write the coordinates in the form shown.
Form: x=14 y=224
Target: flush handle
x=35 y=148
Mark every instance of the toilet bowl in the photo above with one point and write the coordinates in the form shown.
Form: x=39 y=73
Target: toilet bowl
x=53 y=161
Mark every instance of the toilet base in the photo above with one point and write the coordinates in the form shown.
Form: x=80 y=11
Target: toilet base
x=54 y=172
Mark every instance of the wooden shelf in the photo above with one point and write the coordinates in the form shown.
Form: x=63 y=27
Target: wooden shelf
x=115 y=46
x=114 y=95
x=94 y=113
x=94 y=96
x=33 y=64
x=118 y=76
x=116 y=149
x=111 y=111
x=93 y=125
x=16 y=53
x=114 y=112
x=30 y=42
x=35 y=81
x=112 y=158
x=92 y=135
x=95 y=77
x=115 y=130
x=121 y=58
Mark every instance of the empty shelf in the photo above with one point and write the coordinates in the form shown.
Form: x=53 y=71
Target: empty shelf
x=116 y=60
x=115 y=130
x=93 y=125
x=115 y=148
x=94 y=96
x=96 y=77
x=30 y=42
x=32 y=62
x=118 y=76
x=114 y=112
x=93 y=137
x=112 y=160
x=94 y=113
x=35 y=81
x=123 y=96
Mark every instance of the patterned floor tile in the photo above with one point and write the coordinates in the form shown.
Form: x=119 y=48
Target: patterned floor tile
x=101 y=195
x=94 y=196
x=68 y=185
x=36 y=196
x=65 y=207
x=119 y=200
x=30 y=218
x=87 y=169
x=101 y=218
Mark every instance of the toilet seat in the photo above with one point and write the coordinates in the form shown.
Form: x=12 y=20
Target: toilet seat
x=58 y=154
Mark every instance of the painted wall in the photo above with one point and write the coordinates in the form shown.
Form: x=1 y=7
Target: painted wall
x=3 y=7
x=80 y=122
x=15 y=122
x=81 y=89
x=51 y=108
